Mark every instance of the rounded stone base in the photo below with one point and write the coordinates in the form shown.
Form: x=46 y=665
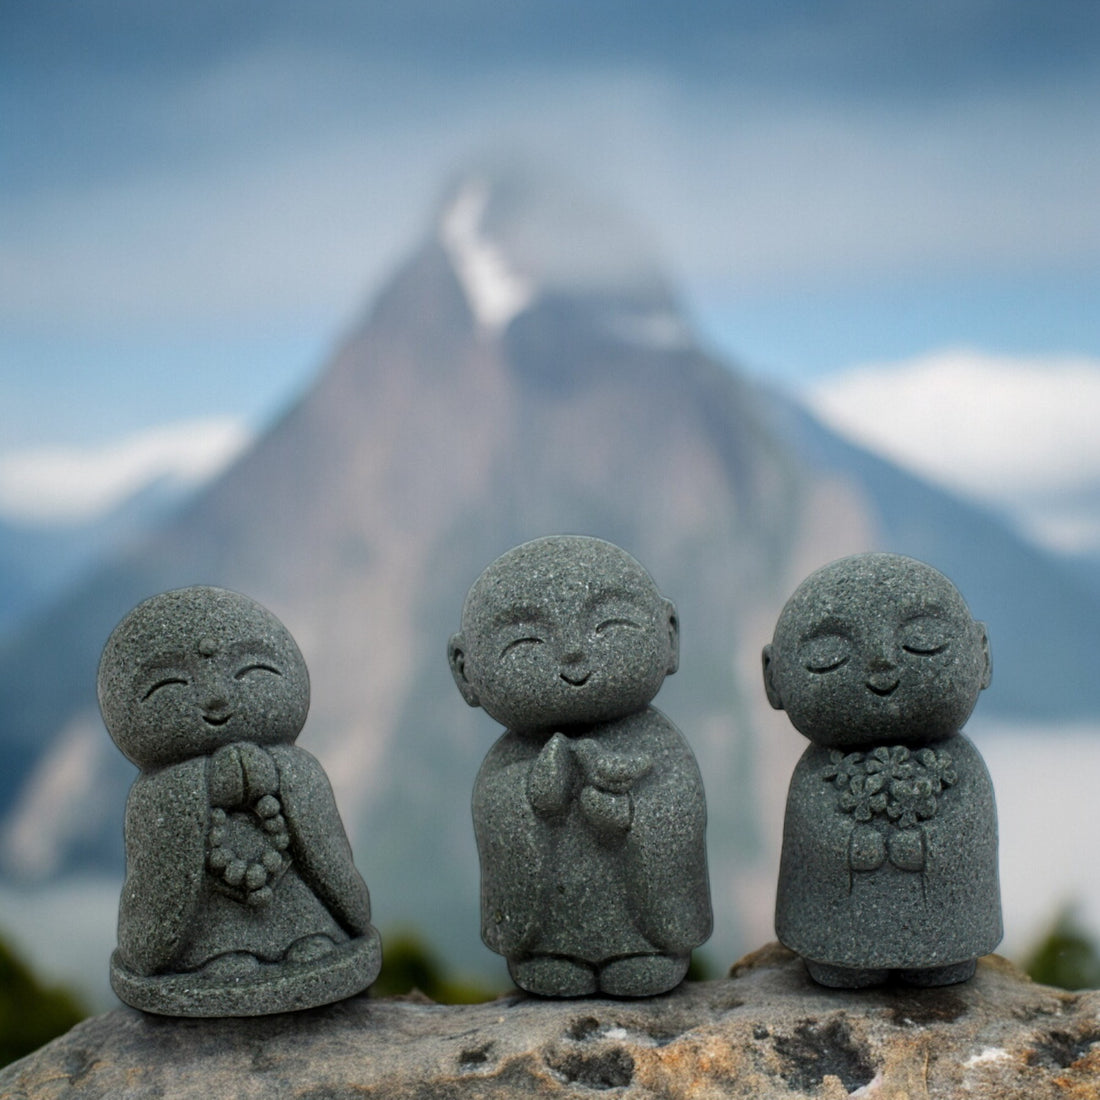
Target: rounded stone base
x=271 y=987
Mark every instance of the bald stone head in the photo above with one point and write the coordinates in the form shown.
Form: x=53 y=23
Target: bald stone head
x=196 y=668
x=563 y=631
x=876 y=648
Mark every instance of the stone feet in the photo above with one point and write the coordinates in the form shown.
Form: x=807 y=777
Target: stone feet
x=848 y=977
x=630 y=976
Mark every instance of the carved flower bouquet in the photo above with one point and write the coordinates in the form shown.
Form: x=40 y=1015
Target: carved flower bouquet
x=890 y=783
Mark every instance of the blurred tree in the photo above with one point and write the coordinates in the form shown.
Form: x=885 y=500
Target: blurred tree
x=1066 y=957
x=30 y=1013
x=408 y=963
x=701 y=969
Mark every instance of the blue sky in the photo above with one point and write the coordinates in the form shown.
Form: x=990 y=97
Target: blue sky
x=196 y=201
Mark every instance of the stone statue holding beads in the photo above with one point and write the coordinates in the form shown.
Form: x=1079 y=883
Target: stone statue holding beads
x=240 y=897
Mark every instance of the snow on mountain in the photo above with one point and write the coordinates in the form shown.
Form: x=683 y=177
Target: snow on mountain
x=495 y=293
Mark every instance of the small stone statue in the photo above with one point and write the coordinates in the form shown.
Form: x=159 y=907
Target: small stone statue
x=241 y=897
x=589 y=812
x=889 y=865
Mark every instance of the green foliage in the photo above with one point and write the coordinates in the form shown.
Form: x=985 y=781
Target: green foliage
x=30 y=1013
x=408 y=963
x=1066 y=957
x=701 y=968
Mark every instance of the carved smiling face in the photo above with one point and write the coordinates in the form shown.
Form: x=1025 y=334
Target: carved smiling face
x=876 y=648
x=563 y=631
x=196 y=668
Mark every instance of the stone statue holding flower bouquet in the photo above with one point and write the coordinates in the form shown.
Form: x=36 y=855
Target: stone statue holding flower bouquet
x=240 y=897
x=589 y=811
x=889 y=862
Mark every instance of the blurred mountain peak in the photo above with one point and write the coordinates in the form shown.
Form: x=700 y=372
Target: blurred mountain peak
x=494 y=291
x=515 y=234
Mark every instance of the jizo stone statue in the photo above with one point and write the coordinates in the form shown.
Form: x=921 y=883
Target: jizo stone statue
x=589 y=811
x=889 y=863
x=241 y=897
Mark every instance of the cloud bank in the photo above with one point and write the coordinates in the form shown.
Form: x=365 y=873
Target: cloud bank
x=56 y=485
x=1019 y=433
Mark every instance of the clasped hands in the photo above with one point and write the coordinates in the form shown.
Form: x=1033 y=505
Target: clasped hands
x=869 y=849
x=604 y=780
x=240 y=774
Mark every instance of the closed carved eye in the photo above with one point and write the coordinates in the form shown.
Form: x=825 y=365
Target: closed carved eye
x=826 y=665
x=825 y=653
x=607 y=624
x=925 y=636
x=516 y=642
x=240 y=675
x=166 y=682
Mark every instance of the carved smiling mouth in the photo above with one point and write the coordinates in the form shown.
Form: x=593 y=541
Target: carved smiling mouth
x=216 y=720
x=883 y=691
x=576 y=681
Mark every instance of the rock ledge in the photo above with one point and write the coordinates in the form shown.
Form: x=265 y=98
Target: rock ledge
x=766 y=1031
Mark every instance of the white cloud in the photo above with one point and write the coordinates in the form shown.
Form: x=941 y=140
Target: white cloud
x=64 y=484
x=989 y=425
x=1017 y=432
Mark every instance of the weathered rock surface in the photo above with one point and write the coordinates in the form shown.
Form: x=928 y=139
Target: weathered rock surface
x=767 y=1031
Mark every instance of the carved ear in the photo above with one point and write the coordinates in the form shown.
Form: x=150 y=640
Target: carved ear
x=987 y=674
x=456 y=658
x=673 y=621
x=770 y=688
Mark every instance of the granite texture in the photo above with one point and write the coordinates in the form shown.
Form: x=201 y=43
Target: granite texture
x=889 y=860
x=589 y=812
x=765 y=1033
x=240 y=897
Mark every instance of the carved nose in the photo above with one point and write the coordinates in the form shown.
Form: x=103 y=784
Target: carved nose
x=883 y=683
x=881 y=671
x=216 y=702
x=570 y=659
